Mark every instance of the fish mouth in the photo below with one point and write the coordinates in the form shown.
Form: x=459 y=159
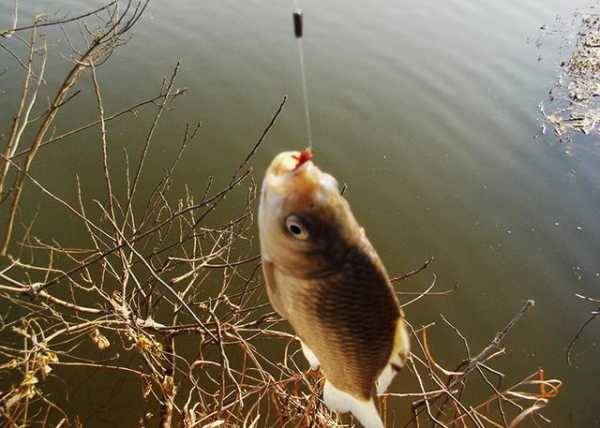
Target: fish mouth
x=288 y=180
x=287 y=163
x=294 y=172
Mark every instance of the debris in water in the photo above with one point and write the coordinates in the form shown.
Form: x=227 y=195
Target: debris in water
x=578 y=109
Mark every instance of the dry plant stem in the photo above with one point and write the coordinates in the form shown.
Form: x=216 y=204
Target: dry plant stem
x=12 y=140
x=15 y=17
x=15 y=57
x=47 y=121
x=109 y=196
x=425 y=397
x=451 y=389
x=164 y=284
x=21 y=118
x=209 y=202
x=260 y=139
x=168 y=386
x=125 y=262
x=14 y=29
x=595 y=314
x=138 y=172
x=132 y=109
x=107 y=40
x=61 y=201
x=412 y=272
x=143 y=234
x=529 y=380
x=488 y=352
x=423 y=294
x=494 y=346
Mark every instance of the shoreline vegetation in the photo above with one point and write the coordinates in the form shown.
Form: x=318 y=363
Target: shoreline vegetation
x=154 y=276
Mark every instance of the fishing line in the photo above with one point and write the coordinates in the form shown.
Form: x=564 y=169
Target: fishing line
x=298 y=31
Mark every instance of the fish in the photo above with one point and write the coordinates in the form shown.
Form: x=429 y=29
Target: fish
x=325 y=278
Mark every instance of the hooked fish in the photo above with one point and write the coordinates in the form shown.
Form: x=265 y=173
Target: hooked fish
x=323 y=275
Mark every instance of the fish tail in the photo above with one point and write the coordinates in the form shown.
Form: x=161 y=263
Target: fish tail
x=363 y=410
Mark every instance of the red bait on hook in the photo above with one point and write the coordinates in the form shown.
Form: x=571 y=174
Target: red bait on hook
x=303 y=157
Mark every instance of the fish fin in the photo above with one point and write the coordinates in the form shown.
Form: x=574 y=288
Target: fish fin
x=388 y=373
x=385 y=379
x=363 y=410
x=272 y=287
x=401 y=344
x=397 y=359
x=310 y=356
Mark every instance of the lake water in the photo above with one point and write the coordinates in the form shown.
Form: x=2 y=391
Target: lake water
x=427 y=110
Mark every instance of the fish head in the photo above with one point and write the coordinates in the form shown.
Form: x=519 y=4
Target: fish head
x=306 y=225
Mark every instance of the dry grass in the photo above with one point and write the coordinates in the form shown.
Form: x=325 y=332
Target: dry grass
x=154 y=276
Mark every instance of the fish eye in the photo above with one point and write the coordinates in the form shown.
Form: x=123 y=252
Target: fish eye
x=296 y=227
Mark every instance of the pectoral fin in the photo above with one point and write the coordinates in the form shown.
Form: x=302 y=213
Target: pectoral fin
x=312 y=359
x=273 y=288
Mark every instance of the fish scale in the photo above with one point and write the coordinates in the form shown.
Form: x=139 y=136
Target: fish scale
x=364 y=344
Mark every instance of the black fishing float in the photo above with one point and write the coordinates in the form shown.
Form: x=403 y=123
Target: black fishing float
x=298 y=32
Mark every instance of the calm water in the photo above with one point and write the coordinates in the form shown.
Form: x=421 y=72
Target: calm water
x=426 y=109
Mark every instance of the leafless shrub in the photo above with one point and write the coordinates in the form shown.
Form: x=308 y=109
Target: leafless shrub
x=155 y=272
